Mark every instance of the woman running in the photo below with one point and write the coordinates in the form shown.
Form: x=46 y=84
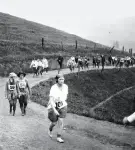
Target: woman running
x=57 y=106
x=24 y=91
x=11 y=93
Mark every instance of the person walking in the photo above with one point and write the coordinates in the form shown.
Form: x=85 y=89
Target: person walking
x=60 y=62
x=24 y=91
x=57 y=106
x=11 y=92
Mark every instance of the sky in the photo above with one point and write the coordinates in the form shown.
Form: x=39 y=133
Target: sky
x=85 y=18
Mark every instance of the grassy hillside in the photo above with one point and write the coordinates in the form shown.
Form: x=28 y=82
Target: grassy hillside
x=20 y=37
x=21 y=41
x=91 y=88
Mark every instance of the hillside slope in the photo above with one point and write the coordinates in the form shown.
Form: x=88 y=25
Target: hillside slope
x=19 y=37
x=17 y=33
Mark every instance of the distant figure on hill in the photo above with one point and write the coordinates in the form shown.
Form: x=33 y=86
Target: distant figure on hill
x=76 y=59
x=103 y=61
x=60 y=62
x=71 y=63
x=110 y=59
x=34 y=66
x=98 y=60
x=45 y=64
x=86 y=62
x=94 y=61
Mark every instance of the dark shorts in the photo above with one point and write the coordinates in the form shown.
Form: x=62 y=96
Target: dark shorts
x=53 y=117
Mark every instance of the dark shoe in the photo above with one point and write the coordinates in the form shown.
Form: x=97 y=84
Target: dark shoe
x=13 y=113
x=10 y=111
x=25 y=112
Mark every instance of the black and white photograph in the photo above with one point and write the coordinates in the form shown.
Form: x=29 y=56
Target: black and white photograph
x=67 y=75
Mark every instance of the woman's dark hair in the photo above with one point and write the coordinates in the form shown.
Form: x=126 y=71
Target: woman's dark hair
x=57 y=77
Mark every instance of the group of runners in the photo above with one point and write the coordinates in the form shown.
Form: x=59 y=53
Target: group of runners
x=78 y=62
x=39 y=66
x=121 y=61
x=17 y=88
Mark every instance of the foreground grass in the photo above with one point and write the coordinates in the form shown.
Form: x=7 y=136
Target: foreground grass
x=90 y=88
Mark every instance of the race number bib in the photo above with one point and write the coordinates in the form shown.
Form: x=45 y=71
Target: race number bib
x=22 y=84
x=59 y=104
x=11 y=87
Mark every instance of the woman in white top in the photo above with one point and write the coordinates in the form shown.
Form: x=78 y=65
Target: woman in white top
x=57 y=106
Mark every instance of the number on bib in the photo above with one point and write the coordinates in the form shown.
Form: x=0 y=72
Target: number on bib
x=22 y=85
x=59 y=104
x=11 y=87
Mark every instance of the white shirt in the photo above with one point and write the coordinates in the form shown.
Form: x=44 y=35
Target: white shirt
x=59 y=95
x=34 y=63
x=73 y=58
x=45 y=62
x=40 y=64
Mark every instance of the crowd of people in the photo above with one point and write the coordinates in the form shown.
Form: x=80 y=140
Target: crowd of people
x=39 y=66
x=82 y=62
x=17 y=88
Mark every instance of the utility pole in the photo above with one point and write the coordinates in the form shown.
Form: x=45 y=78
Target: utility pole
x=62 y=45
x=76 y=44
x=94 y=46
x=42 y=42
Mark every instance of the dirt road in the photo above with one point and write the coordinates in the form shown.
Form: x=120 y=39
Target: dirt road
x=30 y=132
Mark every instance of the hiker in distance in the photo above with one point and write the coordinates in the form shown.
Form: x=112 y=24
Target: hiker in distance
x=60 y=62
